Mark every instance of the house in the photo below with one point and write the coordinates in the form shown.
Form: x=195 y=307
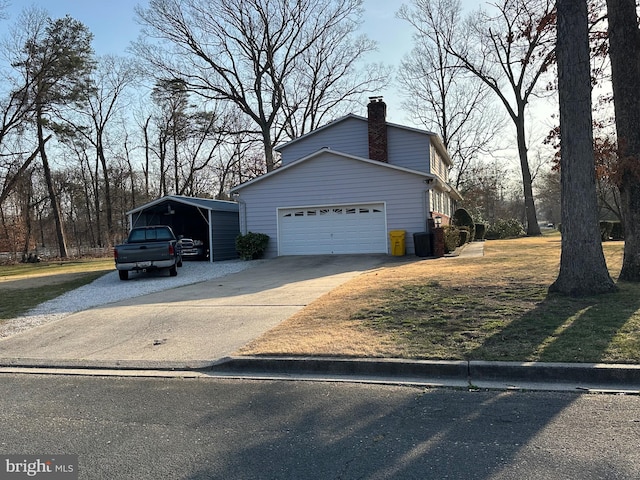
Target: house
x=215 y=223
x=344 y=186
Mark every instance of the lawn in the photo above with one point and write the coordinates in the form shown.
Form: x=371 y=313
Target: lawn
x=490 y=308
x=25 y=285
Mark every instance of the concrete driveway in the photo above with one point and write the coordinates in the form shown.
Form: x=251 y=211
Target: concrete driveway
x=186 y=327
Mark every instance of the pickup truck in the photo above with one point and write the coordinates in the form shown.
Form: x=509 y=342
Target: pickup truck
x=148 y=248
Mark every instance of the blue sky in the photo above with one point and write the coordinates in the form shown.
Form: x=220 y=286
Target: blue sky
x=113 y=26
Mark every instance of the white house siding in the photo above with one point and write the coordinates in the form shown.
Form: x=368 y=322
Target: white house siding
x=346 y=136
x=438 y=166
x=331 y=179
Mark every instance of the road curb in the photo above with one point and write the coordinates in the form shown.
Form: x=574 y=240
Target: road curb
x=578 y=373
x=443 y=372
x=472 y=372
x=195 y=365
x=450 y=370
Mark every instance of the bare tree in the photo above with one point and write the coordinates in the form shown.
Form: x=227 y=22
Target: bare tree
x=509 y=51
x=624 y=40
x=583 y=270
x=250 y=52
x=440 y=92
x=101 y=107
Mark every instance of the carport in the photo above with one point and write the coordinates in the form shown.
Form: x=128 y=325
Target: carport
x=215 y=222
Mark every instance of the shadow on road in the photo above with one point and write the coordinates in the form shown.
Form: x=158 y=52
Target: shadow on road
x=436 y=435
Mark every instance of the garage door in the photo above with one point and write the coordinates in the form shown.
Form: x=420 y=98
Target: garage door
x=332 y=229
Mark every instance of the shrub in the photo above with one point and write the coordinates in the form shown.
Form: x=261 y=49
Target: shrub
x=464 y=235
x=251 y=245
x=451 y=238
x=461 y=218
x=481 y=230
x=510 y=228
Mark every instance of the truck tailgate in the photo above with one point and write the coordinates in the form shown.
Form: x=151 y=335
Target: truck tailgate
x=143 y=252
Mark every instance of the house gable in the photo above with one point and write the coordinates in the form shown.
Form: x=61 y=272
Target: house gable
x=329 y=178
x=407 y=147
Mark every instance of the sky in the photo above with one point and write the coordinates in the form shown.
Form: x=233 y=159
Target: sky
x=113 y=26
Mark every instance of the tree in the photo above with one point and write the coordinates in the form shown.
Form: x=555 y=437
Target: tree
x=172 y=98
x=261 y=56
x=583 y=270
x=510 y=52
x=98 y=109
x=624 y=44
x=57 y=56
x=440 y=92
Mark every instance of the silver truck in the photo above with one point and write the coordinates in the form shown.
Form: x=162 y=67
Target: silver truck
x=148 y=248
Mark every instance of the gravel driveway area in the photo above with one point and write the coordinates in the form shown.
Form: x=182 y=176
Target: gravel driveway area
x=109 y=288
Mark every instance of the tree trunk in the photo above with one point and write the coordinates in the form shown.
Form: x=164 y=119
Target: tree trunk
x=533 y=228
x=583 y=270
x=624 y=51
x=96 y=201
x=268 y=148
x=107 y=190
x=53 y=197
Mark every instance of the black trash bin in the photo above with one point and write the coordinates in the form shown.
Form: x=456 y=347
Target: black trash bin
x=422 y=244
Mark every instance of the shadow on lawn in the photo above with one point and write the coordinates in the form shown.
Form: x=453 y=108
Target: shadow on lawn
x=560 y=329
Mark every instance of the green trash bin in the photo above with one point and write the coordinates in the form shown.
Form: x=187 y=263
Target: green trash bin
x=396 y=238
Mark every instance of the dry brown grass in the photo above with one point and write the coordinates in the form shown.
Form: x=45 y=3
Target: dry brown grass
x=391 y=311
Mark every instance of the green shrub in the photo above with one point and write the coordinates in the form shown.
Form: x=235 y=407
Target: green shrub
x=510 y=228
x=481 y=230
x=462 y=218
x=251 y=245
x=451 y=238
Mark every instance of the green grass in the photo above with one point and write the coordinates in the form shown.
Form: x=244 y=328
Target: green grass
x=55 y=279
x=55 y=268
x=492 y=310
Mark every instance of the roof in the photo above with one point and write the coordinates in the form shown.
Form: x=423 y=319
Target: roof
x=205 y=203
x=434 y=136
x=339 y=154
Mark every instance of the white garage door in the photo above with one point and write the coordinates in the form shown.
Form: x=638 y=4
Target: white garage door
x=332 y=229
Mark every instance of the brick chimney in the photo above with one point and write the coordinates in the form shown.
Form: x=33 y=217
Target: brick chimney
x=377 y=113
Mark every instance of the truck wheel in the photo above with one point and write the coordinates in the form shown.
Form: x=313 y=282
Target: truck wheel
x=173 y=271
x=123 y=274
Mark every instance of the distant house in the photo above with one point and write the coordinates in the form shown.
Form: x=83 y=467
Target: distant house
x=344 y=186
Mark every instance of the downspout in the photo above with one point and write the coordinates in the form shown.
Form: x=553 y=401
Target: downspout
x=426 y=205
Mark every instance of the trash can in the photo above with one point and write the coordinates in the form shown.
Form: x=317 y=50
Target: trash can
x=422 y=244
x=396 y=238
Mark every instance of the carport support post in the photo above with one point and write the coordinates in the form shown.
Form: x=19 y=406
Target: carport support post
x=210 y=236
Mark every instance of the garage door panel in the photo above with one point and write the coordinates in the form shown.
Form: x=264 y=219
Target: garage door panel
x=333 y=229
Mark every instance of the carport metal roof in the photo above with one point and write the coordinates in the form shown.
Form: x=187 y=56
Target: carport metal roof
x=206 y=203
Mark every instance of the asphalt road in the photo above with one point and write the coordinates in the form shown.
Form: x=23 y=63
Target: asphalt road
x=143 y=428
